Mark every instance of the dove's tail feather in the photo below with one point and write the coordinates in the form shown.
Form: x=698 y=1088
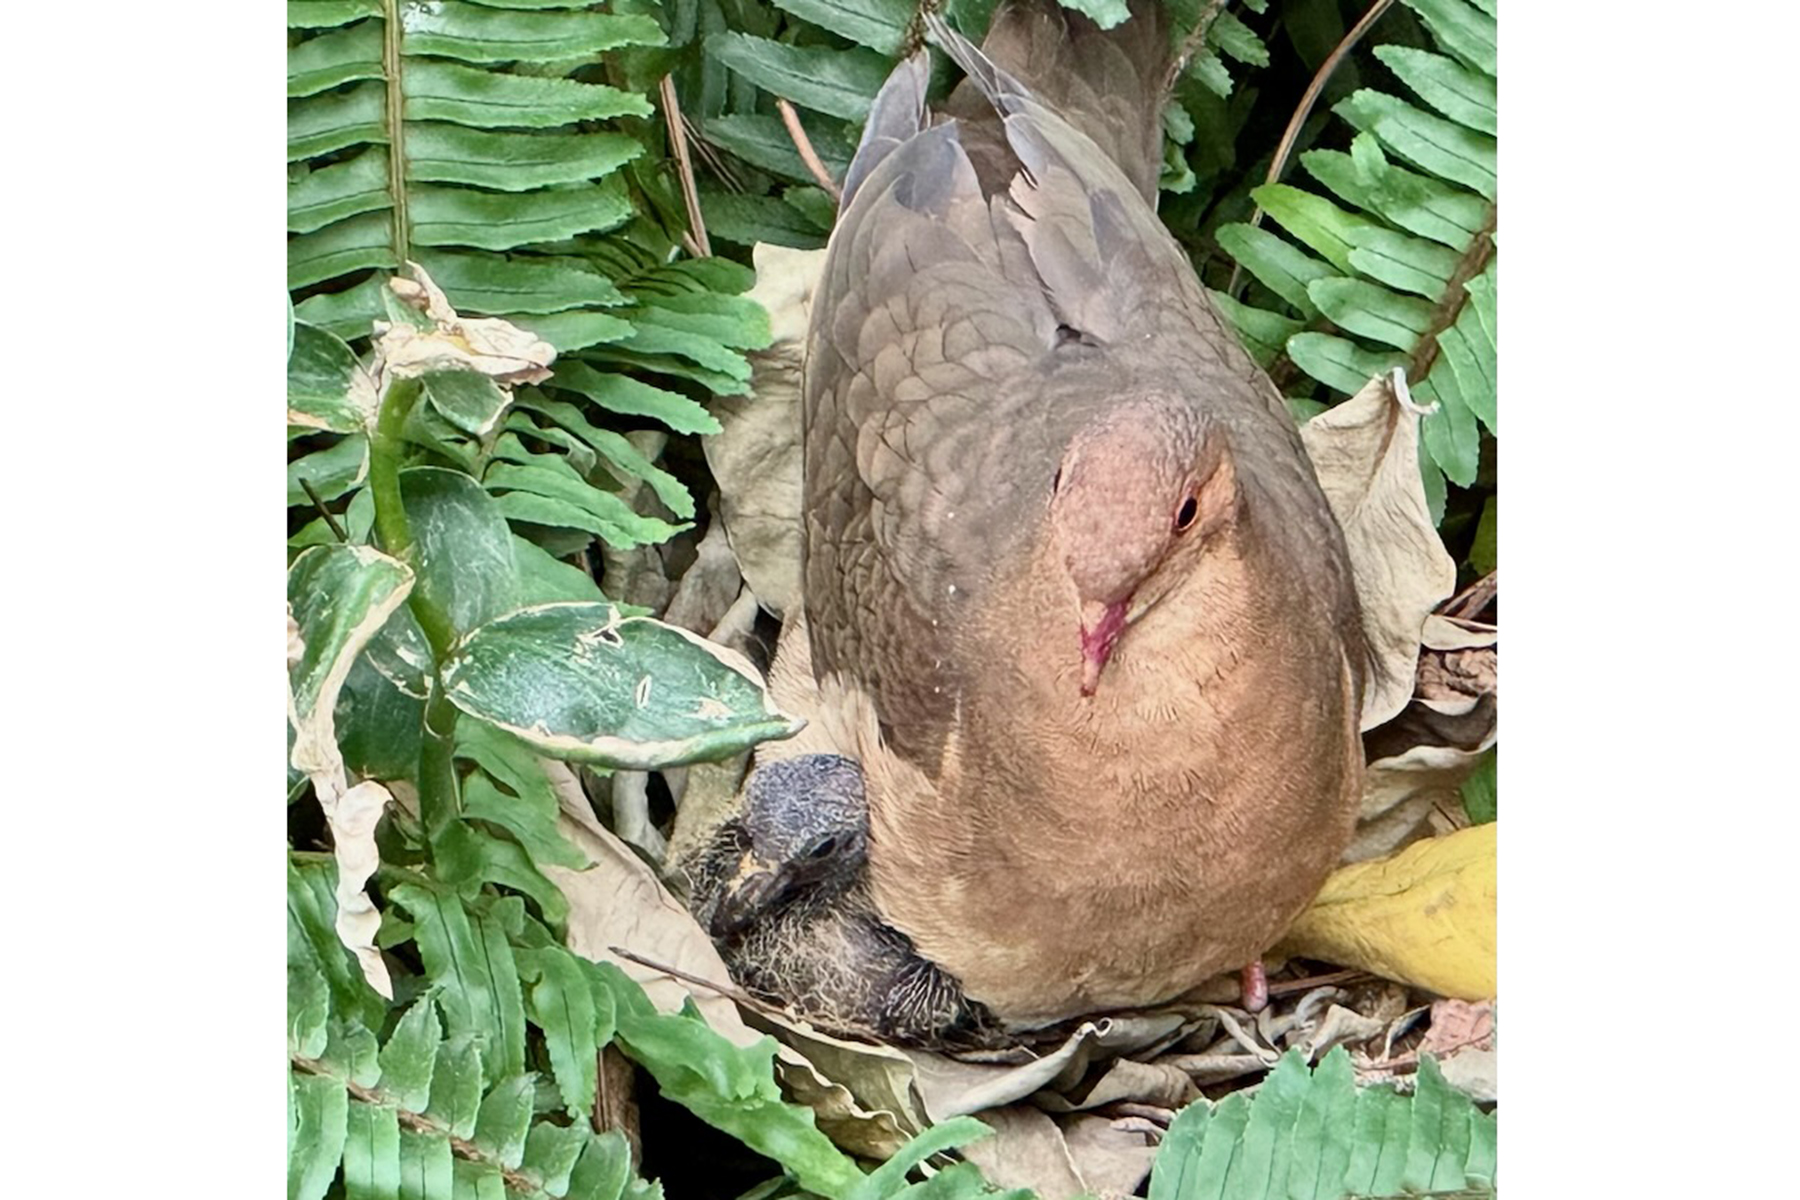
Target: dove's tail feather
x=1110 y=84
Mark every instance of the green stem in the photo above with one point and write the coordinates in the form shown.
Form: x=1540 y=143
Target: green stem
x=439 y=802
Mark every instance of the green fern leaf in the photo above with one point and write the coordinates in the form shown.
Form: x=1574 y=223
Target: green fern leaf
x=427 y=1170
x=878 y=24
x=318 y=1126
x=840 y=83
x=456 y=1084
x=1468 y=32
x=372 y=1152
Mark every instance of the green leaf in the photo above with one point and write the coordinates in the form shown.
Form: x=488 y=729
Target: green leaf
x=379 y=727
x=661 y=332
x=1408 y=263
x=1469 y=347
x=1464 y=96
x=621 y=527
x=467 y=956
x=1339 y=362
x=1440 y=1133
x=577 y=681
x=316 y=1143
x=462 y=546
x=1481 y=790
x=569 y=331
x=365 y=241
x=1265 y=333
x=729 y=1087
x=441 y=91
x=841 y=83
x=1317 y=222
x=454 y=216
x=1442 y=147
x=890 y=1176
x=339 y=595
x=1279 y=266
x=1450 y=434
x=878 y=24
x=323 y=124
x=544 y=579
x=562 y=1005
x=313 y=946
x=427 y=1170
x=324 y=62
x=480 y=34
x=324 y=14
x=1172 y=1173
x=333 y=471
x=327 y=387
x=1267 y=1152
x=551 y=1151
x=338 y=191
x=747 y=220
x=505 y=1118
x=1484 y=555
x=1416 y=203
x=604 y=1168
x=529 y=812
x=1236 y=39
x=469 y=856
x=1374 y=312
x=1105 y=13
x=439 y=153
x=1464 y=31
x=410 y=1056
x=309 y=1006
x=351 y=1053
x=627 y=396
x=763 y=142
x=456 y=1084
x=483 y=283
x=1323 y=1129
x=623 y=458
x=372 y=1153
x=468 y=400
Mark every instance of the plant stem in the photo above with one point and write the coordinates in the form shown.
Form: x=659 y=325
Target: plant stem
x=439 y=803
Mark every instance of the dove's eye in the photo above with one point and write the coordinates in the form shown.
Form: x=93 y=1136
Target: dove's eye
x=1184 y=516
x=823 y=849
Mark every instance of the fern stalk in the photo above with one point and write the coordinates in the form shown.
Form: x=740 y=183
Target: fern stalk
x=393 y=28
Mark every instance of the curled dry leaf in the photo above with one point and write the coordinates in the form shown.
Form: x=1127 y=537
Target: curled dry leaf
x=492 y=347
x=1366 y=453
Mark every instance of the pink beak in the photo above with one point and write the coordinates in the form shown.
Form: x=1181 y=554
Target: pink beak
x=1101 y=626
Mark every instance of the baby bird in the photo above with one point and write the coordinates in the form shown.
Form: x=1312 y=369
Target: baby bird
x=782 y=889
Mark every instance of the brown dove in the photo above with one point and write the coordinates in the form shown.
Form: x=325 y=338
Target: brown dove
x=1073 y=597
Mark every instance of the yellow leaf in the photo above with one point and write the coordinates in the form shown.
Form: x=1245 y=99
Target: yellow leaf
x=1423 y=916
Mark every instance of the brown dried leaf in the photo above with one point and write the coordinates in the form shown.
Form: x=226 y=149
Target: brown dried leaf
x=493 y=347
x=1366 y=453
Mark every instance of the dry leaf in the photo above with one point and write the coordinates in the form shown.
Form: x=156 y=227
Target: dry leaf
x=488 y=345
x=1027 y=1150
x=756 y=455
x=1424 y=916
x=1366 y=453
x=1110 y=1160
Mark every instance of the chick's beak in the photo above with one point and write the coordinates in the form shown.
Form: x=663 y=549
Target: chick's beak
x=1101 y=625
x=749 y=894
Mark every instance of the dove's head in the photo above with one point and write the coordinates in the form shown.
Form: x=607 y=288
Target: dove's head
x=807 y=824
x=1138 y=493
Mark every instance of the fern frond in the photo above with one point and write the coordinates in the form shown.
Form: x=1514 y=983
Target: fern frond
x=1406 y=275
x=1313 y=1132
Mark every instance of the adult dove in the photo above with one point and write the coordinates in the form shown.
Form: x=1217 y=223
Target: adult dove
x=1073 y=597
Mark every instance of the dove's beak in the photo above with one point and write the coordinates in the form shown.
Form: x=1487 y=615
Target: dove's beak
x=1101 y=625
x=751 y=892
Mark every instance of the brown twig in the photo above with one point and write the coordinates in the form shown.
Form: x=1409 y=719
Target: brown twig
x=802 y=143
x=1472 y=599
x=729 y=991
x=1192 y=42
x=1303 y=110
x=330 y=521
x=1289 y=986
x=698 y=243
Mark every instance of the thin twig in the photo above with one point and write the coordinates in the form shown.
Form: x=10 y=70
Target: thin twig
x=698 y=242
x=318 y=503
x=1287 y=986
x=803 y=144
x=1310 y=97
x=1472 y=599
x=729 y=991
